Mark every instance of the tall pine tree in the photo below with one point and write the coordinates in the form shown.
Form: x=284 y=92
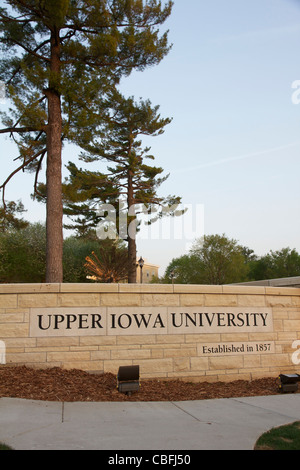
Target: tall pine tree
x=130 y=177
x=60 y=56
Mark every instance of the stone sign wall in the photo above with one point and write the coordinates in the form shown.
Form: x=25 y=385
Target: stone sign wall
x=199 y=333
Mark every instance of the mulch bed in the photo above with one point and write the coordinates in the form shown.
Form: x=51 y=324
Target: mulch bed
x=58 y=384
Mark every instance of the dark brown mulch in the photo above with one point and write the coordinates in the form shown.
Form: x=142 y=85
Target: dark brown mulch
x=58 y=384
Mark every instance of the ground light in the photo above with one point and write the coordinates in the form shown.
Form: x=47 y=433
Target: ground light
x=128 y=379
x=288 y=382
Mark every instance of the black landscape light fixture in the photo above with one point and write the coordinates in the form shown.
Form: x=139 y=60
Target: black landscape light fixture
x=288 y=383
x=172 y=274
x=141 y=264
x=128 y=379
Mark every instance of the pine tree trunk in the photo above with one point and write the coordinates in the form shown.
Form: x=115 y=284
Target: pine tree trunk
x=54 y=221
x=131 y=234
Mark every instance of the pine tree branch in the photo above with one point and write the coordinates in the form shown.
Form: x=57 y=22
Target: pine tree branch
x=21 y=167
x=36 y=191
x=32 y=52
x=20 y=130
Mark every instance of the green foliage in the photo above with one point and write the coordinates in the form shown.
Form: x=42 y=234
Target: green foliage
x=23 y=255
x=8 y=216
x=130 y=183
x=276 y=264
x=129 y=176
x=99 y=41
x=184 y=270
x=60 y=58
x=222 y=259
x=74 y=254
x=5 y=447
x=215 y=259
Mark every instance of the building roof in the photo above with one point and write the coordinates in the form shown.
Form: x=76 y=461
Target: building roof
x=281 y=282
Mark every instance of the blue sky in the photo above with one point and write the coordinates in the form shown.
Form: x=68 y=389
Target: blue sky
x=234 y=143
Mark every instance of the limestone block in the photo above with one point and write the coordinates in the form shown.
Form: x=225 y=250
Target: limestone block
x=8 y=301
x=100 y=355
x=180 y=352
x=225 y=363
x=157 y=353
x=278 y=301
x=134 y=354
x=28 y=288
x=286 y=336
x=291 y=325
x=241 y=290
x=203 y=338
x=296 y=301
x=12 y=317
x=160 y=300
x=252 y=361
x=98 y=340
x=89 y=287
x=275 y=360
x=181 y=364
x=24 y=358
x=251 y=300
x=199 y=363
x=191 y=300
x=142 y=340
x=223 y=300
x=294 y=314
x=231 y=377
x=89 y=366
x=120 y=300
x=146 y=288
x=37 y=300
x=14 y=330
x=168 y=339
x=197 y=289
x=20 y=343
x=48 y=342
x=78 y=300
x=263 y=337
x=280 y=313
x=228 y=337
x=68 y=356
x=154 y=366
x=112 y=366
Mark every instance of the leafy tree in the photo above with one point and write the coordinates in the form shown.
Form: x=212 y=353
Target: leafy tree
x=23 y=254
x=222 y=259
x=214 y=259
x=186 y=269
x=129 y=178
x=75 y=251
x=276 y=264
x=60 y=56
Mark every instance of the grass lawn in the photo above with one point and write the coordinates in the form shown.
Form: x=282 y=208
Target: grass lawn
x=281 y=438
x=4 y=447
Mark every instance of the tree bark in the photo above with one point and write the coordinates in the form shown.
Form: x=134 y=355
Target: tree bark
x=54 y=219
x=131 y=232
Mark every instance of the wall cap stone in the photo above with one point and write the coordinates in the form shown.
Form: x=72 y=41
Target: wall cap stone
x=146 y=289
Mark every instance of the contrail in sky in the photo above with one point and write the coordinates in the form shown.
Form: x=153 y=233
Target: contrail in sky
x=237 y=158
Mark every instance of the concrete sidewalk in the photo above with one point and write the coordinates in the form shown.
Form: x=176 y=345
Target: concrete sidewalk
x=222 y=424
